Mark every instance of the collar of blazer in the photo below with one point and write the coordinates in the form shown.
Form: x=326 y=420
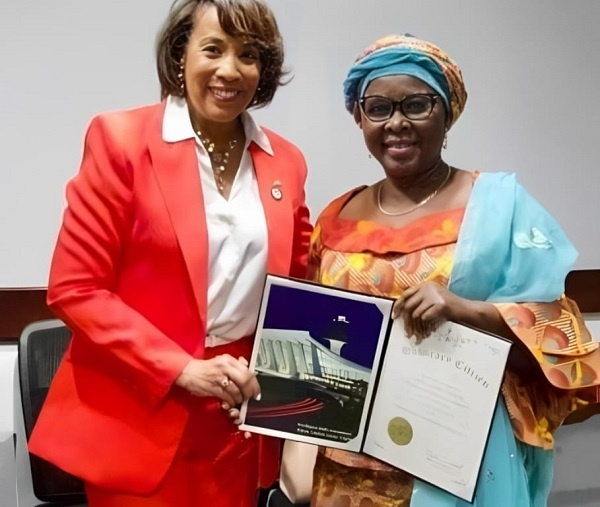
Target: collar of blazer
x=176 y=169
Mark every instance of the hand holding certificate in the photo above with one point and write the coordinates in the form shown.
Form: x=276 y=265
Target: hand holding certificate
x=335 y=370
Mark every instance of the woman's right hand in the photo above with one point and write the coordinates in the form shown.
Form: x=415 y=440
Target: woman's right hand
x=223 y=377
x=425 y=306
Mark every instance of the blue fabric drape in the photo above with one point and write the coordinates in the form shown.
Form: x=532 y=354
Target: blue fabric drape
x=505 y=237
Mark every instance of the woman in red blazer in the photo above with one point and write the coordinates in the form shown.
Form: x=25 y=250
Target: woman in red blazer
x=178 y=211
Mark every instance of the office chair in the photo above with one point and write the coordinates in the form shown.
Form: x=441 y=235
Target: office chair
x=277 y=498
x=41 y=347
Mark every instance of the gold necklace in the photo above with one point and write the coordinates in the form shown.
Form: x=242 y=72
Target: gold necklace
x=416 y=206
x=218 y=160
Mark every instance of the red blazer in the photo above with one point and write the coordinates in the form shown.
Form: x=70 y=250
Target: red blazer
x=129 y=277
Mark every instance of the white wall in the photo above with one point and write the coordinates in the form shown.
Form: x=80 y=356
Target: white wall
x=531 y=70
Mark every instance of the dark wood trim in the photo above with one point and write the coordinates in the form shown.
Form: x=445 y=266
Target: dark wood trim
x=19 y=307
x=584 y=287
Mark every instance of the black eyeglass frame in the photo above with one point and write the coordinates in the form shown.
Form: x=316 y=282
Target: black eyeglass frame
x=399 y=104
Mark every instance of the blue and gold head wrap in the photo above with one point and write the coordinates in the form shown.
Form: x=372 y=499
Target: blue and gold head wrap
x=405 y=54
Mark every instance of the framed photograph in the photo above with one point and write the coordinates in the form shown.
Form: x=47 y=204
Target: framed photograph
x=316 y=354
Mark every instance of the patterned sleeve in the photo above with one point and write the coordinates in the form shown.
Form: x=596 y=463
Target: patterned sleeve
x=569 y=359
x=314 y=254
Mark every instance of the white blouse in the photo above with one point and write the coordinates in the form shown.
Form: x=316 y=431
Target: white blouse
x=237 y=232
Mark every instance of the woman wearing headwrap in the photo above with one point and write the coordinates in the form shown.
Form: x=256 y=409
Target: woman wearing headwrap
x=455 y=245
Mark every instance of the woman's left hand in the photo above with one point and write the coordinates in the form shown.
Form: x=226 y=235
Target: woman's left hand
x=424 y=307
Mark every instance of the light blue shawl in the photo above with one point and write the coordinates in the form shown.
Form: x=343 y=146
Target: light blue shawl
x=509 y=249
x=505 y=238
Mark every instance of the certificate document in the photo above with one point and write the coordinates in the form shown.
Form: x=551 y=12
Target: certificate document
x=434 y=404
x=336 y=370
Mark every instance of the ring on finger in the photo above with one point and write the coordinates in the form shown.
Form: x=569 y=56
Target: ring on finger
x=225 y=382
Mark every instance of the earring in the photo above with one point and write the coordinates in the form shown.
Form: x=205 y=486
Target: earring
x=445 y=143
x=256 y=96
x=181 y=80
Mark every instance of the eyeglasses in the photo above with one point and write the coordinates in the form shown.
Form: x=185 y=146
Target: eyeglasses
x=415 y=107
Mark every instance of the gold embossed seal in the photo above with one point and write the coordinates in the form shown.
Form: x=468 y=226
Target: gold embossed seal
x=400 y=431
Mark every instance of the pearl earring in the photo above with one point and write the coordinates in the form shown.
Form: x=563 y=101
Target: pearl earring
x=180 y=76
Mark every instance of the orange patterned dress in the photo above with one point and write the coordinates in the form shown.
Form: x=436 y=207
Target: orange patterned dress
x=367 y=257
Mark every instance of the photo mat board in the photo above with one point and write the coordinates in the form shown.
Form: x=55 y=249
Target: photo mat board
x=316 y=355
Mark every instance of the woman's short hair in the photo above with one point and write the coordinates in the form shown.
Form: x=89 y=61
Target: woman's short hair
x=247 y=19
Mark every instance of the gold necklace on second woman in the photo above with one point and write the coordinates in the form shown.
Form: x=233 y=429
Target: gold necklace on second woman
x=218 y=159
x=416 y=206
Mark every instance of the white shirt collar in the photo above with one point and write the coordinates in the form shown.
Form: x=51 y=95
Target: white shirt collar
x=177 y=125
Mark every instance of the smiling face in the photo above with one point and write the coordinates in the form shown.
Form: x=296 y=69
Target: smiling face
x=221 y=72
x=405 y=148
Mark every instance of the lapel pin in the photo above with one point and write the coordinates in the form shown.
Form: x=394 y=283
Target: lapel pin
x=276 y=190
